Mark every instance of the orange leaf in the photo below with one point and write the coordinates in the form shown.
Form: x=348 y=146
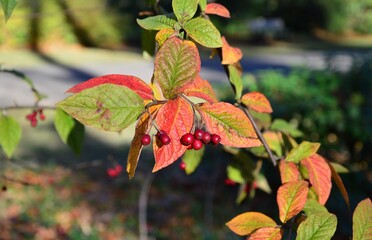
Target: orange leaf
x=163 y=35
x=267 y=233
x=291 y=198
x=319 y=176
x=257 y=102
x=336 y=177
x=134 y=83
x=175 y=118
x=275 y=141
x=230 y=55
x=288 y=171
x=200 y=88
x=246 y=223
x=217 y=9
x=136 y=146
x=230 y=123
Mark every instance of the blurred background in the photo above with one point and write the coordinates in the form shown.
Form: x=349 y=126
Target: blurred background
x=311 y=58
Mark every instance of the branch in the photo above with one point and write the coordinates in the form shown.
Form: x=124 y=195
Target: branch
x=20 y=107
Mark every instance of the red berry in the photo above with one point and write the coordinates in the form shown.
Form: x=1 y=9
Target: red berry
x=111 y=172
x=145 y=140
x=182 y=165
x=206 y=138
x=197 y=144
x=215 y=139
x=42 y=116
x=164 y=139
x=29 y=117
x=34 y=122
x=187 y=139
x=160 y=132
x=198 y=134
x=118 y=168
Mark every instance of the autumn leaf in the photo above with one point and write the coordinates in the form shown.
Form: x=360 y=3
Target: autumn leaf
x=136 y=146
x=291 y=199
x=175 y=118
x=302 y=151
x=319 y=226
x=257 y=102
x=163 y=35
x=230 y=123
x=246 y=223
x=337 y=179
x=362 y=220
x=312 y=206
x=217 y=9
x=266 y=233
x=176 y=65
x=288 y=171
x=275 y=141
x=230 y=55
x=134 y=83
x=319 y=176
x=200 y=88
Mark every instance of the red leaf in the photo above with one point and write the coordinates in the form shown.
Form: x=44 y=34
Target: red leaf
x=217 y=9
x=257 y=101
x=175 y=118
x=230 y=55
x=288 y=171
x=319 y=176
x=230 y=123
x=267 y=233
x=336 y=177
x=200 y=88
x=134 y=83
x=246 y=223
x=291 y=198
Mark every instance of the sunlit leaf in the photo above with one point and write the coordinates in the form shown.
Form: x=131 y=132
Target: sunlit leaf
x=158 y=22
x=8 y=7
x=176 y=64
x=10 y=134
x=134 y=83
x=230 y=55
x=337 y=179
x=339 y=168
x=163 y=35
x=319 y=176
x=175 y=118
x=288 y=171
x=291 y=198
x=302 y=151
x=184 y=9
x=230 y=123
x=262 y=183
x=246 y=223
x=257 y=101
x=202 y=4
x=266 y=233
x=106 y=107
x=319 y=226
x=70 y=131
x=275 y=141
x=200 y=88
x=235 y=78
x=312 y=206
x=362 y=220
x=285 y=127
x=192 y=159
x=235 y=174
x=203 y=32
x=217 y=9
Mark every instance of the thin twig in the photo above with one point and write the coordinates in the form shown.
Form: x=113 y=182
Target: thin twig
x=142 y=206
x=259 y=134
x=20 y=107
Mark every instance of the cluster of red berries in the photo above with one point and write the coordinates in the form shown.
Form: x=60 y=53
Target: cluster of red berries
x=195 y=141
x=162 y=136
x=32 y=117
x=115 y=171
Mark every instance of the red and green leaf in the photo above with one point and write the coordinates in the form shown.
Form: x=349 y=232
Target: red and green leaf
x=317 y=226
x=158 y=22
x=291 y=199
x=134 y=83
x=257 y=101
x=200 y=88
x=230 y=123
x=217 y=9
x=267 y=233
x=175 y=118
x=246 y=223
x=275 y=141
x=203 y=32
x=302 y=151
x=106 y=107
x=184 y=9
x=362 y=220
x=289 y=172
x=163 y=35
x=230 y=55
x=176 y=65
x=337 y=179
x=319 y=176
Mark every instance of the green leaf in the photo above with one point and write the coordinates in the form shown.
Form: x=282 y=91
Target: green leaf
x=246 y=223
x=235 y=77
x=319 y=226
x=339 y=168
x=203 y=32
x=235 y=174
x=262 y=183
x=106 y=107
x=10 y=134
x=202 y=5
x=70 y=130
x=192 y=159
x=8 y=7
x=285 y=127
x=302 y=151
x=158 y=22
x=184 y=9
x=176 y=64
x=312 y=206
x=362 y=220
